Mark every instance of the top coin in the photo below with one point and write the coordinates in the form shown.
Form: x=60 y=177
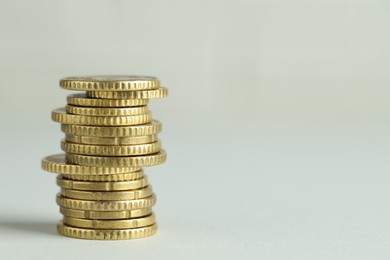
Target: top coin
x=110 y=83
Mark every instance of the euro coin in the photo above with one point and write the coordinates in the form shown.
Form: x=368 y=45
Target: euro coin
x=90 y=214
x=84 y=101
x=58 y=164
x=110 y=83
x=142 y=94
x=59 y=115
x=106 y=111
x=108 y=195
x=111 y=177
x=99 y=234
x=101 y=186
x=95 y=205
x=128 y=140
x=152 y=128
x=111 y=150
x=129 y=161
x=110 y=224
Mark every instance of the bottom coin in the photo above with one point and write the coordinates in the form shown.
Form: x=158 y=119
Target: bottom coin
x=106 y=234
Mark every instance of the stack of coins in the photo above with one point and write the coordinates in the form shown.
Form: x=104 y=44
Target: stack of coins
x=109 y=137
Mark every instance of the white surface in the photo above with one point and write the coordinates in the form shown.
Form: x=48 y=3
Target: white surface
x=277 y=124
x=270 y=191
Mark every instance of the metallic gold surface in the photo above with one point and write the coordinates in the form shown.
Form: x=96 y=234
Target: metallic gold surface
x=111 y=150
x=152 y=128
x=130 y=161
x=110 y=224
x=109 y=137
x=90 y=214
x=110 y=83
x=84 y=101
x=59 y=115
x=101 y=186
x=57 y=164
x=106 y=111
x=118 y=205
x=129 y=140
x=112 y=177
x=142 y=94
x=108 y=195
x=106 y=234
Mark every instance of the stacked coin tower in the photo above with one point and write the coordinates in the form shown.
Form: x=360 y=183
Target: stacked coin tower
x=109 y=137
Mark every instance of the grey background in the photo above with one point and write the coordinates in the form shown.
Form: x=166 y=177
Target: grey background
x=276 y=127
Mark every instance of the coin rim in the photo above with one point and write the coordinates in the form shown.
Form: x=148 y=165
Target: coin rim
x=125 y=140
x=86 y=83
x=101 y=186
x=99 y=223
x=111 y=150
x=105 y=215
x=118 y=234
x=73 y=169
x=121 y=161
x=81 y=99
x=99 y=111
x=105 y=177
x=59 y=115
x=114 y=205
x=162 y=92
x=152 y=128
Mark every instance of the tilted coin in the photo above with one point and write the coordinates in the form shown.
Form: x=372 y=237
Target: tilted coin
x=58 y=164
x=60 y=116
x=110 y=224
x=106 y=111
x=90 y=214
x=129 y=140
x=112 y=177
x=110 y=83
x=108 y=195
x=152 y=128
x=101 y=186
x=84 y=101
x=141 y=94
x=111 y=150
x=119 y=234
x=130 y=161
x=102 y=205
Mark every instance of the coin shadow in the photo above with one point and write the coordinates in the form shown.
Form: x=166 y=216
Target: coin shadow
x=48 y=228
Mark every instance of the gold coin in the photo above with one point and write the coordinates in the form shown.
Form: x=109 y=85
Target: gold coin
x=113 y=131
x=57 y=164
x=142 y=94
x=106 y=111
x=111 y=150
x=101 y=205
x=110 y=83
x=112 y=177
x=130 y=140
x=130 y=161
x=84 y=101
x=101 y=186
x=119 y=234
x=89 y=214
x=108 y=195
x=60 y=116
x=110 y=224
